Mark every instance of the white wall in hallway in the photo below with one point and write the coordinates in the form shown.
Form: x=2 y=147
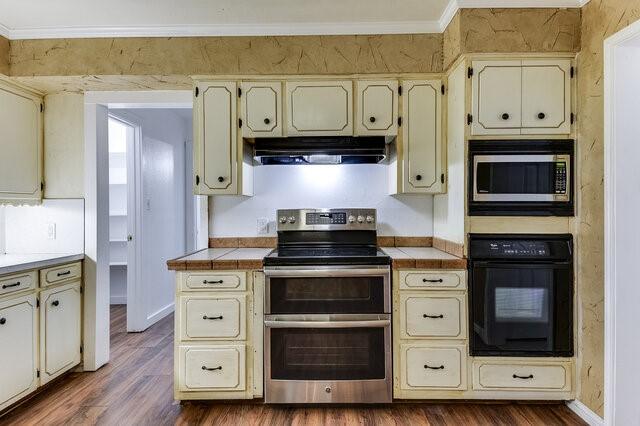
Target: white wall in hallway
x=330 y=186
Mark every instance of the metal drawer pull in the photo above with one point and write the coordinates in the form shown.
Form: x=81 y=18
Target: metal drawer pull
x=432 y=316
x=434 y=368
x=424 y=280
x=204 y=367
x=55 y=303
x=60 y=274
x=530 y=376
x=211 y=318
x=16 y=284
x=212 y=282
x=3 y=321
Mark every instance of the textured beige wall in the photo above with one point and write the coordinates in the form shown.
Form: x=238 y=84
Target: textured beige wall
x=451 y=42
x=600 y=19
x=4 y=56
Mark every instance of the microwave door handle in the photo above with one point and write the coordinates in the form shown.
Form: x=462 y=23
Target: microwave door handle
x=327 y=324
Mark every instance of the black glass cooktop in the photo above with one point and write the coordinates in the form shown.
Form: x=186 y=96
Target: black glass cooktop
x=336 y=255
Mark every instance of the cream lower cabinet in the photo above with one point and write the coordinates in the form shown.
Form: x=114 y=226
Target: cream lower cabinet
x=218 y=353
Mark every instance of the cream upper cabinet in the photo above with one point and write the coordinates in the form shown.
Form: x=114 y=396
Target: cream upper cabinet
x=546 y=97
x=496 y=97
x=261 y=109
x=422 y=136
x=376 y=108
x=18 y=340
x=521 y=97
x=59 y=330
x=21 y=144
x=319 y=108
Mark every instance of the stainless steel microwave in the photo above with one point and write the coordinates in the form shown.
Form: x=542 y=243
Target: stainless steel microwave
x=521 y=178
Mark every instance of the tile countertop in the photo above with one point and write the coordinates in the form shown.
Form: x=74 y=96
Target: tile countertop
x=10 y=263
x=423 y=258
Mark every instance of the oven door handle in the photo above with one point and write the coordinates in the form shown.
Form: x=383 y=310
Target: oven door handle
x=327 y=324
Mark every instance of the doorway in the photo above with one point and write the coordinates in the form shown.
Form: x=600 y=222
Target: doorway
x=622 y=228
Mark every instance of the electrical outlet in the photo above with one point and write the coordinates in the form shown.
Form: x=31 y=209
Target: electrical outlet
x=51 y=231
x=263 y=226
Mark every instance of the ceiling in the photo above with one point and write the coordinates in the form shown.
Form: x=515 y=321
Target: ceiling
x=28 y=19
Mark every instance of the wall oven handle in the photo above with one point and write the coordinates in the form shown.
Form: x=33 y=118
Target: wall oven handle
x=530 y=376
x=327 y=324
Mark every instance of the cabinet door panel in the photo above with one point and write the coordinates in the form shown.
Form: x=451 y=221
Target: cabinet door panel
x=319 y=108
x=546 y=97
x=20 y=144
x=261 y=109
x=377 y=107
x=496 y=97
x=18 y=355
x=59 y=330
x=421 y=136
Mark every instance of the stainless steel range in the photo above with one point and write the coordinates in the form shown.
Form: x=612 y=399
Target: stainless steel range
x=327 y=310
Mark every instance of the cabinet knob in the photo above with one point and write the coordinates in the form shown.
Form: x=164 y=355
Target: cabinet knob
x=3 y=321
x=55 y=303
x=267 y=121
x=418 y=177
x=505 y=116
x=541 y=115
x=220 y=179
x=372 y=119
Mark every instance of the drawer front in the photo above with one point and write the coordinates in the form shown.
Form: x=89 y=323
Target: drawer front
x=213 y=317
x=521 y=376
x=18 y=282
x=214 y=281
x=59 y=274
x=433 y=367
x=439 y=316
x=207 y=368
x=442 y=280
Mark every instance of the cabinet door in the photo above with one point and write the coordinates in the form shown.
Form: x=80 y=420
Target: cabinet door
x=546 y=97
x=59 y=330
x=261 y=109
x=215 y=131
x=421 y=136
x=319 y=108
x=18 y=356
x=376 y=107
x=496 y=97
x=20 y=144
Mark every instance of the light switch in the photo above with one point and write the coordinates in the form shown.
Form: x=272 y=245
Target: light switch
x=51 y=231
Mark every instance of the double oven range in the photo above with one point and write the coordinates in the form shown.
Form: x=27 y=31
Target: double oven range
x=327 y=323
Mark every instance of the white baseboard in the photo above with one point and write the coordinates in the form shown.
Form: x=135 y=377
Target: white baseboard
x=157 y=316
x=585 y=413
x=118 y=300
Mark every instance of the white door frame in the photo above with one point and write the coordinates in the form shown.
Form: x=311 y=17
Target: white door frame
x=610 y=45
x=96 y=171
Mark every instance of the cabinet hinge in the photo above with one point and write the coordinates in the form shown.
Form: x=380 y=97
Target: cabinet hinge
x=41 y=186
x=37 y=373
x=399 y=121
x=469 y=72
x=37 y=302
x=197 y=91
x=240 y=123
x=442 y=178
x=81 y=289
x=442 y=89
x=572 y=118
x=197 y=180
x=399 y=90
x=41 y=107
x=239 y=91
x=572 y=72
x=81 y=348
x=469 y=118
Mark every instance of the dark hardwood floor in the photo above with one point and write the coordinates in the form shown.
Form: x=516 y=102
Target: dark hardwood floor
x=136 y=388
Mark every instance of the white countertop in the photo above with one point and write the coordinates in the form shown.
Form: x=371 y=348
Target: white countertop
x=10 y=263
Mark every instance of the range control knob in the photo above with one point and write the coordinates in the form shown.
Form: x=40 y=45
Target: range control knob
x=369 y=219
x=283 y=219
x=360 y=219
x=292 y=219
x=352 y=219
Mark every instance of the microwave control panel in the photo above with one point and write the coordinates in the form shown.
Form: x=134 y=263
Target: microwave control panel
x=561 y=178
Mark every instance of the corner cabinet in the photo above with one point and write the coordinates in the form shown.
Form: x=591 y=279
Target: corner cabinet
x=521 y=97
x=21 y=144
x=222 y=165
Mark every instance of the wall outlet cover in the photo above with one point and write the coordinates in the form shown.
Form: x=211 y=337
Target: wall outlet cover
x=51 y=231
x=263 y=226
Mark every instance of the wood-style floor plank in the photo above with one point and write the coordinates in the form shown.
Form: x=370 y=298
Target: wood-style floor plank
x=136 y=388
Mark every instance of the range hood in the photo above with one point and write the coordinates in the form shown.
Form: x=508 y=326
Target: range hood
x=321 y=150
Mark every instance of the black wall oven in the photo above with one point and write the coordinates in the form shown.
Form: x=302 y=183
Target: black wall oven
x=522 y=177
x=521 y=295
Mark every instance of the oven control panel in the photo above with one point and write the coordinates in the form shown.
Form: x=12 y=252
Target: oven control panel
x=326 y=219
x=519 y=248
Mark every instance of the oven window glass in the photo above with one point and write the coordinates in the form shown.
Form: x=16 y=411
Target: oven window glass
x=327 y=354
x=516 y=177
x=318 y=295
x=522 y=304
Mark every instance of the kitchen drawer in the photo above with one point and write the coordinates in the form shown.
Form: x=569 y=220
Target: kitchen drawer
x=441 y=280
x=517 y=375
x=207 y=317
x=439 y=315
x=212 y=281
x=437 y=367
x=212 y=368
x=18 y=282
x=59 y=274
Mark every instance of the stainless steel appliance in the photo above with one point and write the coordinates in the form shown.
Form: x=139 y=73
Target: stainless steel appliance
x=327 y=310
x=523 y=177
x=521 y=295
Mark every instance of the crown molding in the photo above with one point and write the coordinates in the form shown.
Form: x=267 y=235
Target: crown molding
x=283 y=29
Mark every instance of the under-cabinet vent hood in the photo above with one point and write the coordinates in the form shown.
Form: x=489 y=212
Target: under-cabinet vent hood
x=321 y=150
